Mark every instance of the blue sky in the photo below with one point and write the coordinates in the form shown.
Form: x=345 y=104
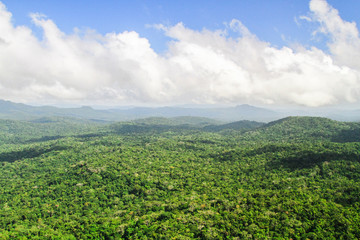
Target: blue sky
x=272 y=21
x=278 y=52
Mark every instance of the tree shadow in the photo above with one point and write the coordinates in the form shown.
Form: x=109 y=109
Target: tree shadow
x=89 y=136
x=28 y=153
x=350 y=135
x=83 y=137
x=44 y=139
x=309 y=159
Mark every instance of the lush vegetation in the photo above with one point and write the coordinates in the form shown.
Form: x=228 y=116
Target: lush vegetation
x=296 y=178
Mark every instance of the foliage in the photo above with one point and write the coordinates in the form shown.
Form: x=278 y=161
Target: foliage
x=12 y=131
x=280 y=181
x=305 y=129
x=244 y=125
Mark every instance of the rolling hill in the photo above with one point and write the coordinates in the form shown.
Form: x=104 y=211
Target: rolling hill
x=298 y=129
x=186 y=177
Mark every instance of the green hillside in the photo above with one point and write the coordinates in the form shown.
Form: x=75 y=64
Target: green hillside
x=300 y=129
x=296 y=178
x=243 y=125
x=15 y=132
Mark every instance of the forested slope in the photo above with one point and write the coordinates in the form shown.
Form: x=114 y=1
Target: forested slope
x=12 y=131
x=304 y=129
x=297 y=178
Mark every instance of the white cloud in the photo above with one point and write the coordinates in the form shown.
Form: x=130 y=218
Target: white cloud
x=306 y=18
x=199 y=66
x=345 y=42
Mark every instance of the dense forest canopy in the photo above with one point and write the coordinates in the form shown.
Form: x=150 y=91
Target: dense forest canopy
x=179 y=178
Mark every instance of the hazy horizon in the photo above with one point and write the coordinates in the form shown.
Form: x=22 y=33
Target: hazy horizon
x=195 y=106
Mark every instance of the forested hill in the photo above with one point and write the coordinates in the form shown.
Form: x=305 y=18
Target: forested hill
x=47 y=128
x=243 y=126
x=296 y=129
x=177 y=124
x=43 y=129
x=300 y=129
x=179 y=178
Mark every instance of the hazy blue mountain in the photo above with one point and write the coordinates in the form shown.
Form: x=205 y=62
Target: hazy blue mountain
x=182 y=120
x=18 y=111
x=228 y=114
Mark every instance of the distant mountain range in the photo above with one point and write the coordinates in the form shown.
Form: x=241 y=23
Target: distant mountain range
x=19 y=111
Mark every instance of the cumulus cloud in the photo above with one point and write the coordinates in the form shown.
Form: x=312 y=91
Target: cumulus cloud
x=344 y=36
x=199 y=66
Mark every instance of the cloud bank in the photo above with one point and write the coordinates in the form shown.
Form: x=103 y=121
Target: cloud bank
x=199 y=67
